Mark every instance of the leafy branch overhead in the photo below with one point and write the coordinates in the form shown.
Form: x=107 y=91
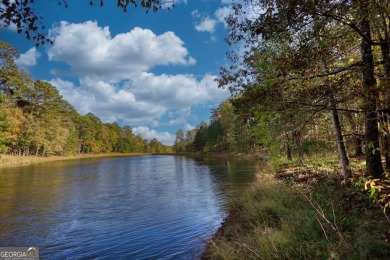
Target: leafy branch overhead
x=297 y=59
x=22 y=15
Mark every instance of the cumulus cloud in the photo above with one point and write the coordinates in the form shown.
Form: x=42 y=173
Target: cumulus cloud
x=207 y=24
x=144 y=99
x=91 y=50
x=29 y=58
x=176 y=90
x=147 y=133
x=107 y=101
x=111 y=77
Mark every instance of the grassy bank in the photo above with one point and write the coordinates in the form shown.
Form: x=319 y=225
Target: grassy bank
x=13 y=161
x=302 y=212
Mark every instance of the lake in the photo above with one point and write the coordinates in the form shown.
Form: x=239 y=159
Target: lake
x=140 y=207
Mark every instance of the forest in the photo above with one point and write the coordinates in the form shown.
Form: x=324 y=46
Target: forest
x=307 y=79
x=309 y=83
x=304 y=75
x=36 y=120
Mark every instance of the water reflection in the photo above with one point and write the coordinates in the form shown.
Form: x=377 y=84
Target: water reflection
x=128 y=207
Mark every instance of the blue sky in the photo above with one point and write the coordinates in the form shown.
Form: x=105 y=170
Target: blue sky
x=154 y=72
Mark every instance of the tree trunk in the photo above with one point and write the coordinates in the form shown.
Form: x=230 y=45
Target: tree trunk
x=385 y=140
x=288 y=147
x=358 y=146
x=373 y=157
x=288 y=151
x=297 y=137
x=339 y=138
x=385 y=50
x=338 y=132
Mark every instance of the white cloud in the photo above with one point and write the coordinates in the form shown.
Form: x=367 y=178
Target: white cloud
x=195 y=13
x=91 y=50
x=176 y=90
x=107 y=101
x=222 y=13
x=172 y=4
x=179 y=116
x=29 y=58
x=144 y=99
x=188 y=127
x=112 y=78
x=11 y=27
x=207 y=24
x=147 y=133
x=227 y=1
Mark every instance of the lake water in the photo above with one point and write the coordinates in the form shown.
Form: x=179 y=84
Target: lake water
x=141 y=207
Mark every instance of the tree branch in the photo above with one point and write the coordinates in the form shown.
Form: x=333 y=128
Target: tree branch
x=334 y=72
x=325 y=107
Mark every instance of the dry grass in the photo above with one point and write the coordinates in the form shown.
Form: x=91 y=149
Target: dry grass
x=14 y=161
x=302 y=212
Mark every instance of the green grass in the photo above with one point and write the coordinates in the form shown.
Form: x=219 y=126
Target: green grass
x=274 y=220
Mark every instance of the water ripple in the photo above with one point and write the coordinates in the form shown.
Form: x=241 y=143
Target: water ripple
x=149 y=207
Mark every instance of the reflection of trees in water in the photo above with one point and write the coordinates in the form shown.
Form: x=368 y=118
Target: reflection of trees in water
x=234 y=172
x=27 y=193
x=70 y=203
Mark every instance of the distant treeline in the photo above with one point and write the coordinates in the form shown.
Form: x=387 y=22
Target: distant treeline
x=227 y=131
x=36 y=120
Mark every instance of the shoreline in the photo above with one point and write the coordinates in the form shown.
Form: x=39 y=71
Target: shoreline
x=278 y=214
x=7 y=161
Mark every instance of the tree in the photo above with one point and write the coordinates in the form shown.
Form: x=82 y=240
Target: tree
x=139 y=144
x=373 y=161
x=227 y=118
x=179 y=144
x=115 y=137
x=128 y=141
x=299 y=26
x=154 y=146
x=200 y=139
x=11 y=80
x=17 y=128
x=22 y=14
x=4 y=128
